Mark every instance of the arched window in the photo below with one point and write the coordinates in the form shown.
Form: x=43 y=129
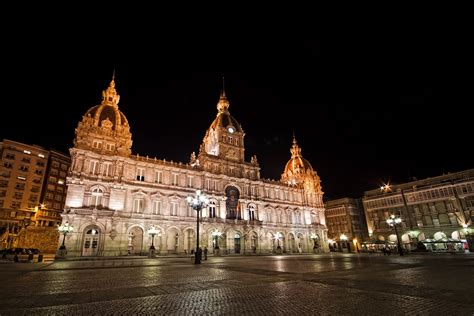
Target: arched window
x=232 y=203
x=96 y=197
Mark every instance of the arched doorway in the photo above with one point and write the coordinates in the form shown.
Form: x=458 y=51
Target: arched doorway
x=232 y=203
x=253 y=242
x=301 y=242
x=291 y=243
x=135 y=241
x=90 y=245
x=189 y=240
x=172 y=241
x=237 y=242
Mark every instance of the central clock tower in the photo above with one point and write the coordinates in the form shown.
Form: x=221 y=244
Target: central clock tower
x=222 y=149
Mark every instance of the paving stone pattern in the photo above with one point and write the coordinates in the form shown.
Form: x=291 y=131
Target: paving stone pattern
x=332 y=284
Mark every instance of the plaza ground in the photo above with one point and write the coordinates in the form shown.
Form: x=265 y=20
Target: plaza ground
x=327 y=284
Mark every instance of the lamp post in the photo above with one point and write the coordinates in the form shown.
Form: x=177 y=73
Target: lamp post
x=64 y=229
x=152 y=232
x=197 y=202
x=394 y=221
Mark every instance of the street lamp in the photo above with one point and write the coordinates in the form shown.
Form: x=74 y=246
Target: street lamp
x=394 y=221
x=64 y=229
x=153 y=231
x=198 y=202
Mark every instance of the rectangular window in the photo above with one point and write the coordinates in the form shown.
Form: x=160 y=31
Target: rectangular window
x=157 y=207
x=107 y=169
x=158 y=176
x=174 y=209
x=110 y=147
x=175 y=179
x=138 y=206
x=190 y=211
x=94 y=167
x=18 y=195
x=140 y=174
x=96 y=144
x=190 y=181
x=208 y=184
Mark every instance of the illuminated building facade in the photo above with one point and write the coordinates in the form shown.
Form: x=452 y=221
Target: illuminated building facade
x=32 y=194
x=435 y=211
x=115 y=197
x=346 y=224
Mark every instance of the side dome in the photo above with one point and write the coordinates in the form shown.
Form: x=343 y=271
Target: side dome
x=104 y=112
x=297 y=168
x=104 y=127
x=299 y=172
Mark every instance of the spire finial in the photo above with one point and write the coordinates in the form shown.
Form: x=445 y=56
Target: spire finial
x=223 y=86
x=223 y=104
x=110 y=96
x=295 y=149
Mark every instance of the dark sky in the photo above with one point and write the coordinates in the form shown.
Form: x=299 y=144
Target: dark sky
x=368 y=103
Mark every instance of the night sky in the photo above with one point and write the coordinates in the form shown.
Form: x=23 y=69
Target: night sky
x=368 y=104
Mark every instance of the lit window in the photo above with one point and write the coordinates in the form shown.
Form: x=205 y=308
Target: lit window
x=60 y=182
x=41 y=155
x=27 y=152
x=21 y=178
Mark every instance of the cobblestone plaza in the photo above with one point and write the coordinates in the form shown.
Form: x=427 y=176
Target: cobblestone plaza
x=327 y=284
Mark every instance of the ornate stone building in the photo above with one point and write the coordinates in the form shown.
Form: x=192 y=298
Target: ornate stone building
x=114 y=197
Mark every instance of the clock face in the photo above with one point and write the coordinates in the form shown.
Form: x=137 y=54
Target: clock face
x=230 y=129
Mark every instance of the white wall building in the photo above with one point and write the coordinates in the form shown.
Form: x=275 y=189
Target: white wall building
x=114 y=197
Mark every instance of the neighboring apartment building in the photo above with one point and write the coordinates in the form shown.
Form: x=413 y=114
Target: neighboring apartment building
x=436 y=211
x=25 y=173
x=345 y=220
x=114 y=197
